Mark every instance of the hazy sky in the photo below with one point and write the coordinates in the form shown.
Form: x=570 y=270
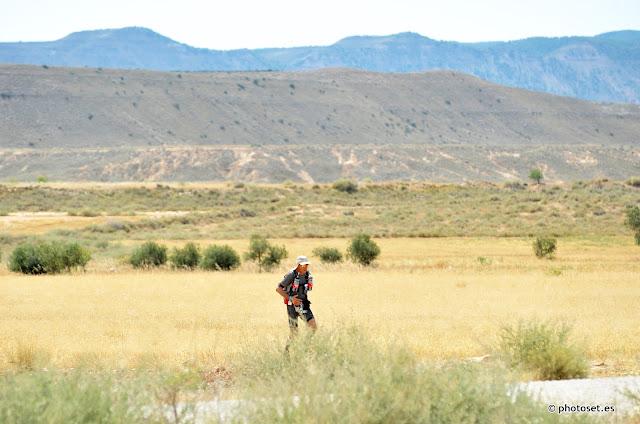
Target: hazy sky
x=284 y=23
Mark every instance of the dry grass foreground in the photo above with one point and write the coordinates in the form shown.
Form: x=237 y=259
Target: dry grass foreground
x=433 y=294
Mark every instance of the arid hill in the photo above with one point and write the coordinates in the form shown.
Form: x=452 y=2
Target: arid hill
x=100 y=124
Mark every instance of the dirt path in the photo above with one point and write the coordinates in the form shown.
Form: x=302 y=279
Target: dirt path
x=566 y=396
x=557 y=397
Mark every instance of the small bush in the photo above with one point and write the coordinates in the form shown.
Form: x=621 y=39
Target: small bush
x=89 y=213
x=363 y=250
x=634 y=182
x=542 y=349
x=102 y=244
x=111 y=227
x=187 y=257
x=275 y=255
x=545 y=247
x=48 y=258
x=328 y=254
x=74 y=256
x=346 y=186
x=247 y=213
x=633 y=221
x=84 y=212
x=218 y=258
x=536 y=175
x=148 y=255
x=263 y=253
x=514 y=185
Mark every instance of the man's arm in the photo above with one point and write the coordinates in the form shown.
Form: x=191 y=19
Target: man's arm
x=281 y=288
x=281 y=291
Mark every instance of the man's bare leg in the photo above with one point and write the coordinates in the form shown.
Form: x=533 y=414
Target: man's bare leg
x=293 y=332
x=312 y=324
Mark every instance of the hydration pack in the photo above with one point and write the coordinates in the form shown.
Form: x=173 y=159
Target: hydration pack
x=297 y=287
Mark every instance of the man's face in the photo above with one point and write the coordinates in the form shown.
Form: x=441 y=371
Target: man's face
x=302 y=268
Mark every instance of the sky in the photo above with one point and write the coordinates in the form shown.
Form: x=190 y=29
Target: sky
x=225 y=25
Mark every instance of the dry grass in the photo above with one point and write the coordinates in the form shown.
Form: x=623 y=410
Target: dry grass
x=41 y=223
x=432 y=293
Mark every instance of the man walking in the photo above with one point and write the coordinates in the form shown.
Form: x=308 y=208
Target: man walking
x=294 y=288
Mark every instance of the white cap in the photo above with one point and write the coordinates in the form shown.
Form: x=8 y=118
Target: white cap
x=302 y=260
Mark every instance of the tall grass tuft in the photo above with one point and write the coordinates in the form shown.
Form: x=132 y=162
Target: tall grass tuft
x=26 y=356
x=71 y=397
x=343 y=377
x=542 y=350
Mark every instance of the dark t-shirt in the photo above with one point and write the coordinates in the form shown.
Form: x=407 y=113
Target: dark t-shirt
x=288 y=280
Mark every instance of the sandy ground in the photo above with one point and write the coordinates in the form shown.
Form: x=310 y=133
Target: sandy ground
x=42 y=222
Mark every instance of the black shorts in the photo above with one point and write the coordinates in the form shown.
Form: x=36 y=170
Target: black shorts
x=307 y=315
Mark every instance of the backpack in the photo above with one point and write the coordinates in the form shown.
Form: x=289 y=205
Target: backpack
x=294 y=288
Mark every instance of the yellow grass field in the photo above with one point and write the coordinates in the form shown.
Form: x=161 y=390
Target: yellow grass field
x=434 y=294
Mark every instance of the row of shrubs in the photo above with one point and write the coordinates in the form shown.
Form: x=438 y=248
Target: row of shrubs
x=55 y=257
x=361 y=250
x=48 y=257
x=214 y=257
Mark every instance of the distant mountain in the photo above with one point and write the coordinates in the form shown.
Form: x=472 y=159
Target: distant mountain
x=601 y=68
x=119 y=125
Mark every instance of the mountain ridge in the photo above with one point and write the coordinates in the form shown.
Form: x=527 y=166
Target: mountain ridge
x=598 y=68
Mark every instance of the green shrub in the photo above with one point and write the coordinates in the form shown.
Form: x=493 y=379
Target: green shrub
x=150 y=254
x=220 y=258
x=328 y=254
x=545 y=247
x=275 y=255
x=102 y=244
x=342 y=376
x=634 y=182
x=89 y=213
x=83 y=212
x=542 y=349
x=187 y=257
x=536 y=175
x=514 y=185
x=264 y=253
x=74 y=256
x=363 y=250
x=346 y=186
x=31 y=258
x=48 y=257
x=633 y=221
